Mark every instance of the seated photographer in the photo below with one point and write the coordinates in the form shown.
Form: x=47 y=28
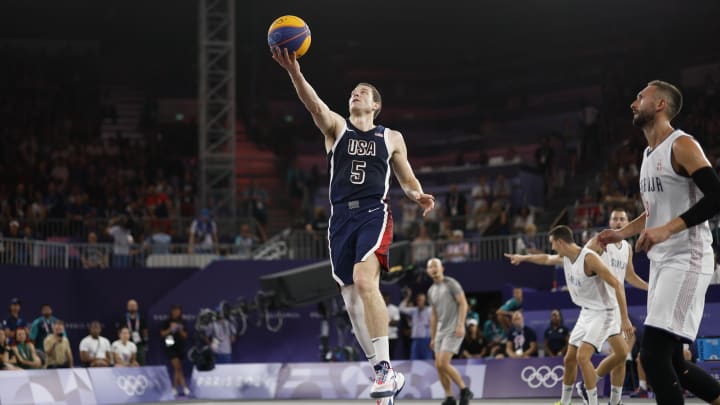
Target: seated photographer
x=57 y=347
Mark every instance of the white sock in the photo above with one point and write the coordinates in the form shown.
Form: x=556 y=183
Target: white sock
x=615 y=395
x=382 y=349
x=628 y=357
x=566 y=397
x=643 y=384
x=592 y=396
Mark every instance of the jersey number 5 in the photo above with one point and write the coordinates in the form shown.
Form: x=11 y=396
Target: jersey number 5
x=357 y=172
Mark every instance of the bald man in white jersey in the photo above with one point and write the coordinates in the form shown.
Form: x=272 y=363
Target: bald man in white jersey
x=588 y=279
x=680 y=191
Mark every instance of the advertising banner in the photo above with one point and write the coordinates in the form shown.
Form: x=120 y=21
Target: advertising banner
x=57 y=387
x=124 y=385
x=353 y=380
x=236 y=381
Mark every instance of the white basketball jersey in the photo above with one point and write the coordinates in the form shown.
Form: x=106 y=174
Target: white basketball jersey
x=586 y=292
x=616 y=259
x=666 y=195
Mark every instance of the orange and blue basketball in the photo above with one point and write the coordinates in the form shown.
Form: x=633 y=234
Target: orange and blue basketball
x=291 y=33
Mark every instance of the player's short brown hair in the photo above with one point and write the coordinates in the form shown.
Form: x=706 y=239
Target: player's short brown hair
x=672 y=96
x=376 y=96
x=563 y=233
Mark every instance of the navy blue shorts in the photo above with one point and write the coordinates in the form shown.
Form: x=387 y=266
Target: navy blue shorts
x=357 y=230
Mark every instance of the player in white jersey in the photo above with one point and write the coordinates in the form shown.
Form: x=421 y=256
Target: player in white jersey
x=587 y=280
x=680 y=191
x=618 y=258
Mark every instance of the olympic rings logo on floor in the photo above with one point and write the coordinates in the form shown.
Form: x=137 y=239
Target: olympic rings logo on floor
x=132 y=385
x=543 y=375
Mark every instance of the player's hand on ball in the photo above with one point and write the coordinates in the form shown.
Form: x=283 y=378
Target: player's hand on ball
x=650 y=237
x=285 y=59
x=426 y=201
x=514 y=259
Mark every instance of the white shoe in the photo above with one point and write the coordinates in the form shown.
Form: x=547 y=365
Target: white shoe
x=186 y=391
x=387 y=383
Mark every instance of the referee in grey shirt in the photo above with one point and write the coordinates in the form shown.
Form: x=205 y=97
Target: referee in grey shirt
x=447 y=328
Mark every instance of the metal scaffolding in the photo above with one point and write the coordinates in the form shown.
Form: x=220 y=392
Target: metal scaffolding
x=216 y=104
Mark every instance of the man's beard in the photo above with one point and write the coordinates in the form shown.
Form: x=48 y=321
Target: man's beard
x=642 y=119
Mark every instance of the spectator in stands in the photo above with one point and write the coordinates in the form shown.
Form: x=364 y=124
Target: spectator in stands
x=556 y=336
x=159 y=241
x=14 y=320
x=174 y=333
x=245 y=242
x=393 y=323
x=544 y=158
x=7 y=356
x=473 y=345
x=526 y=243
x=422 y=247
x=420 y=315
x=203 y=231
x=505 y=312
x=95 y=350
x=94 y=256
x=521 y=339
x=122 y=239
x=481 y=194
x=501 y=193
x=57 y=347
x=318 y=229
x=525 y=217
x=42 y=326
x=456 y=208
x=24 y=350
x=457 y=250
x=409 y=223
x=257 y=200
x=494 y=335
x=221 y=336
x=124 y=351
x=137 y=327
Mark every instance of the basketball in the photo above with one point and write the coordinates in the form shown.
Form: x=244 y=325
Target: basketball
x=291 y=33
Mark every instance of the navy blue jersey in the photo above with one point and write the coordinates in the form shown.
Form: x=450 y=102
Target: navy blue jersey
x=359 y=165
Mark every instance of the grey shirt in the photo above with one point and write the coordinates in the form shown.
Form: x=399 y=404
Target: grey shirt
x=441 y=296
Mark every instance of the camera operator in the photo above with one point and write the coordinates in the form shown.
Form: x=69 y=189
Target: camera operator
x=221 y=335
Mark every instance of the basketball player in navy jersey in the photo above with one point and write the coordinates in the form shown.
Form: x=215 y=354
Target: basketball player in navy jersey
x=680 y=191
x=360 y=154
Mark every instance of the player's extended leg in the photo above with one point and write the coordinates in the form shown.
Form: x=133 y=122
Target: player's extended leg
x=584 y=355
x=570 y=363
x=366 y=277
x=356 y=312
x=617 y=373
x=444 y=377
x=695 y=379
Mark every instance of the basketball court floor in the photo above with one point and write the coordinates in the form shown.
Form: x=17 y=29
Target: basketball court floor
x=409 y=402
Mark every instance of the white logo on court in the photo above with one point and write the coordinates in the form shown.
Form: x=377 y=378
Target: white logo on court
x=132 y=385
x=543 y=375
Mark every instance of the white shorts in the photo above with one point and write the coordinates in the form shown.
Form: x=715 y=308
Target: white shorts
x=676 y=297
x=594 y=326
x=447 y=342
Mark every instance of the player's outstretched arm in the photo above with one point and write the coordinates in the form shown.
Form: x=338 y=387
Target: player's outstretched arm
x=632 y=277
x=595 y=265
x=405 y=175
x=325 y=119
x=628 y=231
x=691 y=159
x=541 y=259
